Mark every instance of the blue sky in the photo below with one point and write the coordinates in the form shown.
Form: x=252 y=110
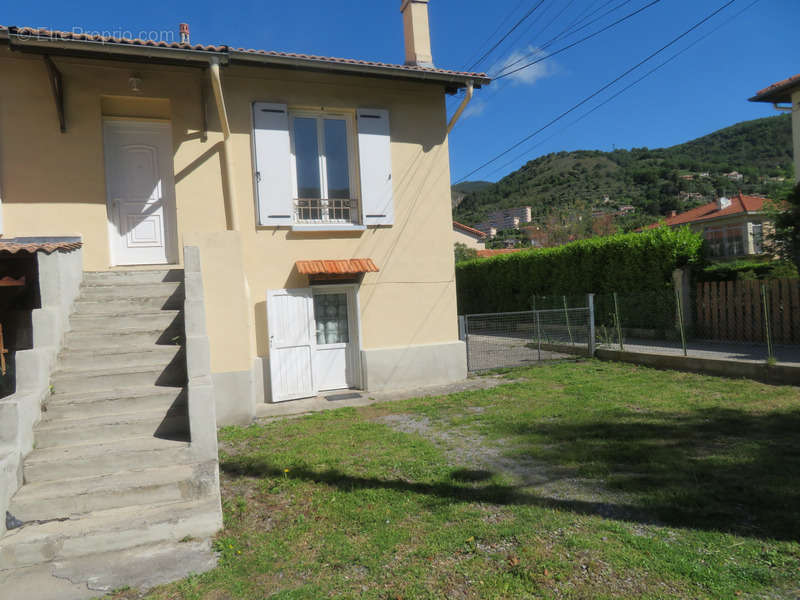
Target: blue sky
x=702 y=90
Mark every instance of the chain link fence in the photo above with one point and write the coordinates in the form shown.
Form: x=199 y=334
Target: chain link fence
x=556 y=328
x=751 y=321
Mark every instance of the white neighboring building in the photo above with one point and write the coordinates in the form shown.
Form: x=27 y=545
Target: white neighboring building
x=471 y=238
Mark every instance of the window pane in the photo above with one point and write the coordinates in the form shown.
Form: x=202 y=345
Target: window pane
x=336 y=158
x=306 y=152
x=330 y=314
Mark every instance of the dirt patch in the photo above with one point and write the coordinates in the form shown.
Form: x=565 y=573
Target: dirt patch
x=465 y=448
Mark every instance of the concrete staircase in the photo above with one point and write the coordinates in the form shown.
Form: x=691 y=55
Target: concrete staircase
x=112 y=467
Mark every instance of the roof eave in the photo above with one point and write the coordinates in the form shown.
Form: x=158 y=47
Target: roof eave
x=394 y=72
x=127 y=51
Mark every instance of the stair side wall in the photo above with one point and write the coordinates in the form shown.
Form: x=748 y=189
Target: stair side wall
x=200 y=386
x=59 y=280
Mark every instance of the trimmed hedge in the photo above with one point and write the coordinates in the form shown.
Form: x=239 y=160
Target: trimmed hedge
x=622 y=263
x=747 y=269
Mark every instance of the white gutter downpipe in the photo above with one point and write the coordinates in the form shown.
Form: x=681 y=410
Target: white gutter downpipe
x=461 y=107
x=227 y=154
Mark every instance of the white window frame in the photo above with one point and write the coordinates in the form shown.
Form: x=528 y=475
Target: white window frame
x=353 y=162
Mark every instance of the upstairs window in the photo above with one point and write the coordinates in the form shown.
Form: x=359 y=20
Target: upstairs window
x=323 y=168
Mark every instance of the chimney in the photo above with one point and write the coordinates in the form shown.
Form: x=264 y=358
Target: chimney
x=417 y=33
x=723 y=203
x=184 y=29
x=673 y=213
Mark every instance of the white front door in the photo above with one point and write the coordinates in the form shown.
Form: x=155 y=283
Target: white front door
x=290 y=319
x=140 y=192
x=336 y=354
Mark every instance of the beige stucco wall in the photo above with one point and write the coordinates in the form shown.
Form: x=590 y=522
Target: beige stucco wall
x=460 y=237
x=796 y=133
x=54 y=184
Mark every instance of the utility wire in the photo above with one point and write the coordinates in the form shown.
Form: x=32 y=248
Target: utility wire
x=506 y=72
x=508 y=33
x=601 y=90
x=630 y=85
x=494 y=33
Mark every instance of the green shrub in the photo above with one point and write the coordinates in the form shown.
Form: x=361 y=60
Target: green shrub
x=747 y=270
x=624 y=263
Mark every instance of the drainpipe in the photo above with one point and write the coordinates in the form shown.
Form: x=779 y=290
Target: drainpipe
x=461 y=107
x=227 y=154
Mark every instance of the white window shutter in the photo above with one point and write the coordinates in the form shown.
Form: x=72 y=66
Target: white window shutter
x=374 y=150
x=272 y=162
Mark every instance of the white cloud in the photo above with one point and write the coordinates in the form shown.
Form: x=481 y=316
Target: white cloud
x=528 y=75
x=474 y=109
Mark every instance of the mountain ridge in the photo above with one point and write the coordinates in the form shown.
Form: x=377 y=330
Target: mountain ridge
x=656 y=181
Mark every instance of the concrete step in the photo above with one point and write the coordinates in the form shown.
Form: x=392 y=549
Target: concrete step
x=132 y=337
x=108 y=531
x=126 y=320
x=68 y=498
x=132 y=277
x=114 y=402
x=107 y=428
x=94 y=575
x=73 y=360
x=117 y=306
x=118 y=379
x=103 y=290
x=48 y=464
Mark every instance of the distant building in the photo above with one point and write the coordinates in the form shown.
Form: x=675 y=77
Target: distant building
x=487 y=228
x=626 y=208
x=471 y=238
x=732 y=227
x=786 y=92
x=734 y=176
x=510 y=218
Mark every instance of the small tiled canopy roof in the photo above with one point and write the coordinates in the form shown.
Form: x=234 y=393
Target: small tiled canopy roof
x=353 y=266
x=778 y=92
x=32 y=245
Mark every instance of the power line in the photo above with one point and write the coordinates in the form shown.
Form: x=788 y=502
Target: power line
x=494 y=33
x=508 y=33
x=601 y=90
x=506 y=73
x=630 y=85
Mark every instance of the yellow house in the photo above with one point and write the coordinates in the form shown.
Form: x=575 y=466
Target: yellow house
x=785 y=96
x=314 y=192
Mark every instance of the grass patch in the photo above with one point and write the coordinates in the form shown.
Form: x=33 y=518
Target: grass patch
x=573 y=480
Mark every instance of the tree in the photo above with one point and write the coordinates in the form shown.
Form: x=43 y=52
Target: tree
x=786 y=235
x=464 y=253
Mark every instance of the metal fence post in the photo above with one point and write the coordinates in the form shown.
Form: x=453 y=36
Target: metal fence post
x=538 y=333
x=590 y=298
x=618 y=323
x=462 y=328
x=466 y=337
x=767 y=326
x=679 y=306
x=566 y=320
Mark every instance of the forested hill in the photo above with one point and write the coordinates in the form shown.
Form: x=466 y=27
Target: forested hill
x=654 y=181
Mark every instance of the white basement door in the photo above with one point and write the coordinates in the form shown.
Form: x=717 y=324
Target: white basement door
x=292 y=341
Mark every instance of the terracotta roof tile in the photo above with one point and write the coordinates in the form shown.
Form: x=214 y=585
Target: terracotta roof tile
x=52 y=34
x=13 y=245
x=489 y=253
x=468 y=229
x=779 y=91
x=740 y=204
x=352 y=266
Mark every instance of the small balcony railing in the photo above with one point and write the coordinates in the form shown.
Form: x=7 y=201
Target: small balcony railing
x=312 y=211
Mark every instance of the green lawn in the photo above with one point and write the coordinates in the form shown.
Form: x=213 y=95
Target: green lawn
x=572 y=480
